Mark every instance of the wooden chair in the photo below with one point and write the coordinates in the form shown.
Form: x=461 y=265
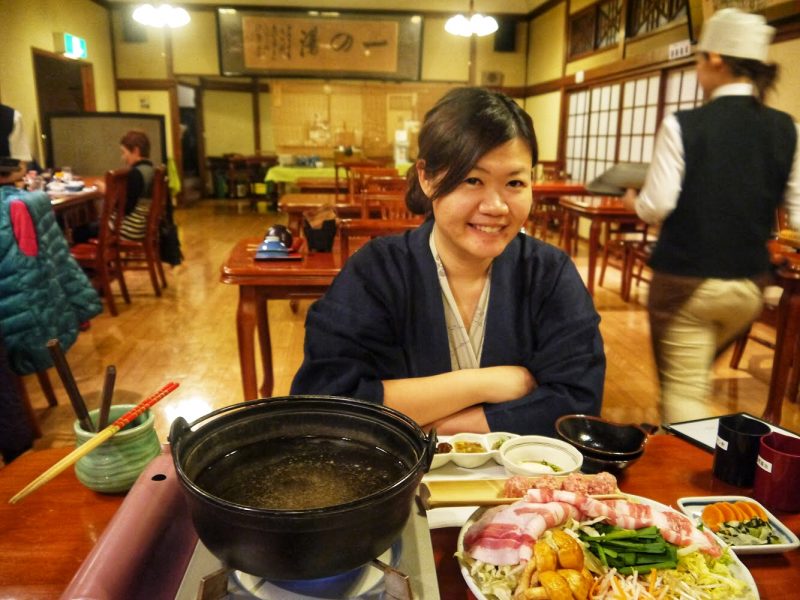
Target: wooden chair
x=769 y=314
x=341 y=170
x=546 y=214
x=385 y=183
x=143 y=255
x=367 y=229
x=358 y=175
x=635 y=268
x=385 y=205
x=621 y=240
x=100 y=257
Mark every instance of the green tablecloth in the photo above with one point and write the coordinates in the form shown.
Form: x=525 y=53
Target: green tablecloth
x=279 y=174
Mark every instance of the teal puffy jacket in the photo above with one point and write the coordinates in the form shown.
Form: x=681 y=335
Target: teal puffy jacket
x=44 y=296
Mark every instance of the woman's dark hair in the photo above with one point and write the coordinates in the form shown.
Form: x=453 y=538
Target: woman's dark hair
x=136 y=138
x=464 y=125
x=763 y=75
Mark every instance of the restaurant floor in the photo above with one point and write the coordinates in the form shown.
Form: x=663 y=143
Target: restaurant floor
x=188 y=335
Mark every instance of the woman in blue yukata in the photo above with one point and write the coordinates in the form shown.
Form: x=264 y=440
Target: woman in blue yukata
x=465 y=323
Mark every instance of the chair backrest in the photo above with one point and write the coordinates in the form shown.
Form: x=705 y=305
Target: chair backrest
x=358 y=175
x=341 y=169
x=113 y=210
x=158 y=202
x=367 y=229
x=385 y=183
x=387 y=205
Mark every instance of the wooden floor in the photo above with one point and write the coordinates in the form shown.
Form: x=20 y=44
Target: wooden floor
x=188 y=335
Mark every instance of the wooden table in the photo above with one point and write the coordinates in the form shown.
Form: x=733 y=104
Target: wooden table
x=324 y=185
x=294 y=205
x=78 y=208
x=599 y=210
x=559 y=187
x=260 y=281
x=546 y=210
x=670 y=469
x=45 y=538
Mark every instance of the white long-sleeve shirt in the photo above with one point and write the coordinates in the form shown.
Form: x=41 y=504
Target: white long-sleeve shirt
x=17 y=144
x=664 y=180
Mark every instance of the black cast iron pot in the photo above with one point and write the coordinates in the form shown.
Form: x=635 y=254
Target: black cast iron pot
x=309 y=543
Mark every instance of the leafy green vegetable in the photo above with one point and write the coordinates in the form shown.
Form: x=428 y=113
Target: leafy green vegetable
x=630 y=550
x=754 y=532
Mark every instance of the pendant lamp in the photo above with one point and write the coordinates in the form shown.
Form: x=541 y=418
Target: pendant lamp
x=472 y=24
x=162 y=16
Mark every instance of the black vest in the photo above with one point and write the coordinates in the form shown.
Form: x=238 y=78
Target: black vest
x=738 y=156
x=6 y=127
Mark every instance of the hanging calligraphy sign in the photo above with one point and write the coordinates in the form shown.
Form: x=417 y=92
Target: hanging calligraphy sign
x=313 y=44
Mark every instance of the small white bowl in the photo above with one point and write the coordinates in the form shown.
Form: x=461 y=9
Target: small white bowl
x=533 y=454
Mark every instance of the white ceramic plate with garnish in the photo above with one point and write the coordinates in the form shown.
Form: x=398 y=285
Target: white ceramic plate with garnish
x=737 y=568
x=693 y=508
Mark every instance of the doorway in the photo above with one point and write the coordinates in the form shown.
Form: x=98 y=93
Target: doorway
x=62 y=85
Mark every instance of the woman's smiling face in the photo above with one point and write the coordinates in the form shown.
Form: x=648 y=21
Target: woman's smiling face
x=477 y=220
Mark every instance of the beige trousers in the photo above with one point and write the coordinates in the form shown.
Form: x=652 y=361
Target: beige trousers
x=692 y=321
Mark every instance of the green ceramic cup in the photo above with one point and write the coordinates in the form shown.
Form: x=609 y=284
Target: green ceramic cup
x=114 y=466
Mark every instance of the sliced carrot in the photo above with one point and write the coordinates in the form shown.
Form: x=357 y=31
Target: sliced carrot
x=759 y=512
x=728 y=513
x=745 y=509
x=712 y=517
x=652 y=587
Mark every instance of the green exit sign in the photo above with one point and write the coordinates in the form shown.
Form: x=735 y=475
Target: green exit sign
x=74 y=47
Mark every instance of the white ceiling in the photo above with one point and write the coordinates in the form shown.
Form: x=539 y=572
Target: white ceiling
x=485 y=6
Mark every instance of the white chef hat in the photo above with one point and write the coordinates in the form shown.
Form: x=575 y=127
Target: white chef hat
x=731 y=32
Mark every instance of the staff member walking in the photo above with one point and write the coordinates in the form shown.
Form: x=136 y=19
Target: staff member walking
x=718 y=174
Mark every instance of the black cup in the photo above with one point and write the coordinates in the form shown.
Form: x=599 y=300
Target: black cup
x=736 y=451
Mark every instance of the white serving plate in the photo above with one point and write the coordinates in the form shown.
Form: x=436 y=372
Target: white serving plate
x=471 y=460
x=693 y=507
x=737 y=567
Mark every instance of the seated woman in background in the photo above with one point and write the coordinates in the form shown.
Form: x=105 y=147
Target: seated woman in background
x=136 y=154
x=465 y=323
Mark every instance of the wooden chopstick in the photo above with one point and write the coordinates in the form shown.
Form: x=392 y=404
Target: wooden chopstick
x=61 y=365
x=105 y=397
x=93 y=443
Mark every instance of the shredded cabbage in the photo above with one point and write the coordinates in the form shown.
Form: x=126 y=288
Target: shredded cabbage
x=495 y=582
x=698 y=576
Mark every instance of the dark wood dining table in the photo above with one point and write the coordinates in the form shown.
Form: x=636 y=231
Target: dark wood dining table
x=558 y=187
x=599 y=210
x=260 y=281
x=295 y=204
x=45 y=538
x=77 y=208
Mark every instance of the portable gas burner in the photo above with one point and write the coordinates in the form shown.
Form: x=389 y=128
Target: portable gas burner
x=405 y=571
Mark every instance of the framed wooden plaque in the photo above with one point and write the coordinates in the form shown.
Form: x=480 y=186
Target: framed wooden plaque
x=319 y=44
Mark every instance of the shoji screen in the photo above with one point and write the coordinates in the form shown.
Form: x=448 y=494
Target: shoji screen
x=639 y=119
x=618 y=122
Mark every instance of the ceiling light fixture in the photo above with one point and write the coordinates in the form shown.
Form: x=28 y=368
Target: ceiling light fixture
x=162 y=16
x=474 y=24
